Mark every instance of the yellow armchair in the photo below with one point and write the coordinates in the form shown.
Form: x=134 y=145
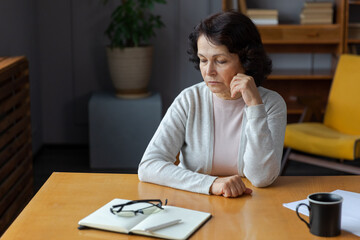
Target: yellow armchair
x=338 y=136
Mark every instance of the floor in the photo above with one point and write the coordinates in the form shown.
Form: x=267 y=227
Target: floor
x=76 y=159
x=64 y=158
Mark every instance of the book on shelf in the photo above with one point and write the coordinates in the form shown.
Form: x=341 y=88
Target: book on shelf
x=317 y=13
x=316 y=21
x=318 y=4
x=180 y=222
x=260 y=21
x=263 y=16
x=262 y=12
x=318 y=10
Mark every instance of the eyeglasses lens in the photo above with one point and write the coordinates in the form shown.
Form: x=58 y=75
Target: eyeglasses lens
x=138 y=208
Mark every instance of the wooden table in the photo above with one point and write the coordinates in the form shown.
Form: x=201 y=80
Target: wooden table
x=66 y=198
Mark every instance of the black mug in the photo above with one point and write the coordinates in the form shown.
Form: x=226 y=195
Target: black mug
x=325 y=214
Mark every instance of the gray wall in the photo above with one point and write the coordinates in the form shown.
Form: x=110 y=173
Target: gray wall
x=65 y=45
x=19 y=36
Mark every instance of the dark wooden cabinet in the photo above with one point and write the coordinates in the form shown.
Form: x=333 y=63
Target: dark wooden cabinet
x=16 y=174
x=352 y=42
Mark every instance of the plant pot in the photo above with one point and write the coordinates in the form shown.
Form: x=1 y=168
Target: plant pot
x=130 y=70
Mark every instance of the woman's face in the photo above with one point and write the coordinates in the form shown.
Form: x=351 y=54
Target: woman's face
x=218 y=66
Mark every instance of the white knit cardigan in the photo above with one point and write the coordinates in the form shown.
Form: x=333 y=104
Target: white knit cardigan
x=188 y=128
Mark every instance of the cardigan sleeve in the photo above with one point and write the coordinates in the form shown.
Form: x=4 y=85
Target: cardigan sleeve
x=265 y=131
x=157 y=164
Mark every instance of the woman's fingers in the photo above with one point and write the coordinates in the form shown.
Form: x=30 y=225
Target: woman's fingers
x=231 y=186
x=235 y=90
x=244 y=85
x=248 y=191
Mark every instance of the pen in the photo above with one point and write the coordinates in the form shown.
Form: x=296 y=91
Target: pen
x=163 y=225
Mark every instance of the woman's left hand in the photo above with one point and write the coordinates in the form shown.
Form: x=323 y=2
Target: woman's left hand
x=244 y=85
x=231 y=186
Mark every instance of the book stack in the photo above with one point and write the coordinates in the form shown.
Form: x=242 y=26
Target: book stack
x=263 y=16
x=317 y=13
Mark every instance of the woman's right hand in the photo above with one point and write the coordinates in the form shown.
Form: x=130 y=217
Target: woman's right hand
x=231 y=186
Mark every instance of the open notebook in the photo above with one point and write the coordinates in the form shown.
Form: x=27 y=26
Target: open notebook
x=191 y=220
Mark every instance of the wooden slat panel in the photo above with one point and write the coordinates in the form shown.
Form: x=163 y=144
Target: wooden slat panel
x=9 y=135
x=7 y=62
x=13 y=73
x=16 y=180
x=10 y=166
x=17 y=173
x=9 y=87
x=10 y=66
x=15 y=190
x=13 y=116
x=18 y=204
x=14 y=100
x=12 y=148
x=13 y=70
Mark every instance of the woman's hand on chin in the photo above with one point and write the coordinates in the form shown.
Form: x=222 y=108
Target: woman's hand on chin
x=244 y=85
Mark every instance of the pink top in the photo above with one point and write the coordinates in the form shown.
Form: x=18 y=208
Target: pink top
x=228 y=116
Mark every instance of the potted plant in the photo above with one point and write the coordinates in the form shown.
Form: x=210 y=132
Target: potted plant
x=129 y=54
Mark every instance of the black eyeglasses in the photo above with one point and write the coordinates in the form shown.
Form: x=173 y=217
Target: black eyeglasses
x=147 y=207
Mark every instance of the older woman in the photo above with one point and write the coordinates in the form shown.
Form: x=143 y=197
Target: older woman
x=226 y=127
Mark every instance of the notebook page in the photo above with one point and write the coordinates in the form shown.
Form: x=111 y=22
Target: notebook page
x=190 y=221
x=104 y=219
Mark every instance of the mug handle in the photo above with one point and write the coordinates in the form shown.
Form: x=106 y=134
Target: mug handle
x=297 y=213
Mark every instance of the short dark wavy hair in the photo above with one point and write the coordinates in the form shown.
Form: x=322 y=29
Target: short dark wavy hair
x=239 y=34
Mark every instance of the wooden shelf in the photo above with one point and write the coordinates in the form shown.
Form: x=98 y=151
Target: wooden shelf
x=354 y=2
x=300 y=34
x=294 y=111
x=295 y=38
x=354 y=41
x=301 y=74
x=351 y=38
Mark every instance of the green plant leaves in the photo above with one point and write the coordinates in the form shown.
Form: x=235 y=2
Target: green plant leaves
x=132 y=24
